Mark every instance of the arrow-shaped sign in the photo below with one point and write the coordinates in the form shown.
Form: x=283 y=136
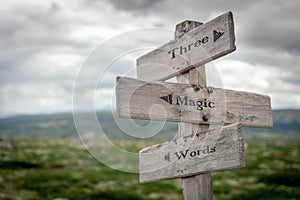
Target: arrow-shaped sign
x=216 y=150
x=203 y=44
x=182 y=103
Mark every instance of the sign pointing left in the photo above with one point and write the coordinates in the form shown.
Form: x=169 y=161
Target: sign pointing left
x=215 y=150
x=182 y=103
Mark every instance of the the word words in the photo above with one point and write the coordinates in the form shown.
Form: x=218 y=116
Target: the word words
x=190 y=153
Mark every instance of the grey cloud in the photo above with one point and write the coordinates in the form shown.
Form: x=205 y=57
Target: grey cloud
x=292 y=77
x=141 y=6
x=272 y=25
x=26 y=27
x=259 y=24
x=266 y=57
x=30 y=36
x=36 y=40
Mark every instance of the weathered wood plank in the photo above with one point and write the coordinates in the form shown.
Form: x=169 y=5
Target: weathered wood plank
x=185 y=103
x=198 y=186
x=201 y=45
x=216 y=150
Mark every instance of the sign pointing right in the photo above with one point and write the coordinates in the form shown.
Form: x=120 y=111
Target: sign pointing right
x=201 y=45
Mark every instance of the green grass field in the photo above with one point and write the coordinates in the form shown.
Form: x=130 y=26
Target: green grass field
x=57 y=169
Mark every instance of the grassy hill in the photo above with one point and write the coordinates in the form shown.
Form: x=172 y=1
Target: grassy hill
x=57 y=169
x=286 y=124
x=41 y=158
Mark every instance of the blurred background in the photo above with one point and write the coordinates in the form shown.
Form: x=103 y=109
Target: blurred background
x=49 y=49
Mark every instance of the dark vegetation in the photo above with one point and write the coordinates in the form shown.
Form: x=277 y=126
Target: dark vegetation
x=58 y=168
x=41 y=158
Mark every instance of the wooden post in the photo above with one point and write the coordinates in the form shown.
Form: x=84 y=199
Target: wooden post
x=163 y=161
x=197 y=187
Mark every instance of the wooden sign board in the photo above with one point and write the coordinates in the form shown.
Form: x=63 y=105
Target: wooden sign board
x=183 y=103
x=196 y=47
x=216 y=150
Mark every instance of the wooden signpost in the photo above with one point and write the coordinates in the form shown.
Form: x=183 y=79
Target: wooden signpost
x=194 y=48
x=197 y=151
x=184 y=103
x=211 y=151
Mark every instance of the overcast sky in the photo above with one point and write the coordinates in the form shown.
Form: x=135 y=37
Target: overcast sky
x=45 y=44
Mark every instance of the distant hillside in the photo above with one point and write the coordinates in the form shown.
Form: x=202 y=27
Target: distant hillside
x=53 y=125
x=286 y=122
x=63 y=126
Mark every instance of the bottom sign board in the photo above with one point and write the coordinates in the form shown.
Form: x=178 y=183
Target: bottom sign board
x=215 y=150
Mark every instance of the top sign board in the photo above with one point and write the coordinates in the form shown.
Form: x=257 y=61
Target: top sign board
x=195 y=48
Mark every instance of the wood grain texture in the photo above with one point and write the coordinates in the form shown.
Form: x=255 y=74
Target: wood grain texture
x=193 y=50
x=199 y=186
x=215 y=150
x=141 y=100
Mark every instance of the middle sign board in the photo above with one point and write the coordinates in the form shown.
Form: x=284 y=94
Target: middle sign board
x=183 y=103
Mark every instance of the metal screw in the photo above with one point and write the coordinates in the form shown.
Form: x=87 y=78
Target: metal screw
x=205 y=118
x=196 y=88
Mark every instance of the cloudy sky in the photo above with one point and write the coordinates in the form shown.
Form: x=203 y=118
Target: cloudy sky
x=46 y=45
